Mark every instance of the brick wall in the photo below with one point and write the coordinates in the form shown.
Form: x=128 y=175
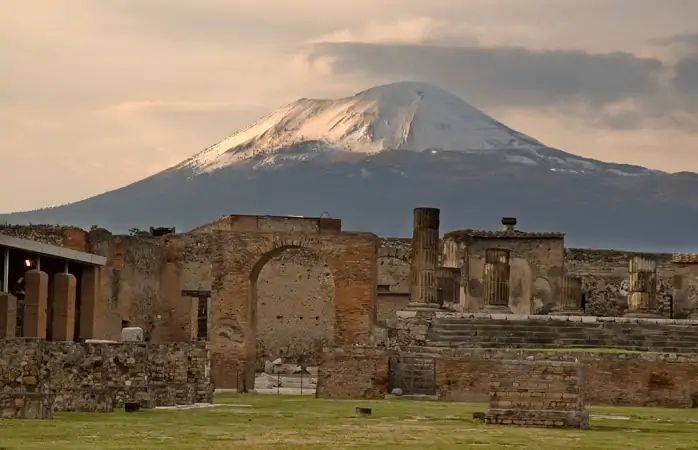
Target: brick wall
x=72 y=370
x=347 y=373
x=537 y=393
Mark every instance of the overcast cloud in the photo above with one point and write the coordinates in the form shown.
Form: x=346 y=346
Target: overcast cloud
x=94 y=95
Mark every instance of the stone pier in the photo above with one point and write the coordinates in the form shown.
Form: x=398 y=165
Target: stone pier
x=35 y=304
x=569 y=299
x=448 y=284
x=90 y=312
x=425 y=256
x=642 y=295
x=63 y=320
x=497 y=269
x=8 y=315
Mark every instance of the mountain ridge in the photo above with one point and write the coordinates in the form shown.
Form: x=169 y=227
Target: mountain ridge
x=337 y=156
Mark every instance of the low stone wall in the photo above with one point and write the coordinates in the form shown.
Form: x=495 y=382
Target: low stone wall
x=99 y=377
x=537 y=393
x=612 y=378
x=26 y=405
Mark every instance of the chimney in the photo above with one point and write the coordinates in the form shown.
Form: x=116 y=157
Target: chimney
x=509 y=223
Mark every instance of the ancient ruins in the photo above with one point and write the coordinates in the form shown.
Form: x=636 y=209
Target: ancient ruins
x=362 y=316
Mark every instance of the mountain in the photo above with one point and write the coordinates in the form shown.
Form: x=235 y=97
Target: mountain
x=370 y=158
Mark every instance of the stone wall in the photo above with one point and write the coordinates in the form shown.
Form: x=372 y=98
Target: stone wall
x=604 y=276
x=91 y=376
x=295 y=308
x=393 y=279
x=26 y=405
x=611 y=378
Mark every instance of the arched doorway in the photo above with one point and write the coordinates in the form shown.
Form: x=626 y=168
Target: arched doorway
x=292 y=298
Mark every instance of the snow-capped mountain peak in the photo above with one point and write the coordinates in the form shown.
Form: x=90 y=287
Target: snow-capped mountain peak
x=399 y=116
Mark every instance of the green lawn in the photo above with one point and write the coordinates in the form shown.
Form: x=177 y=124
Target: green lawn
x=288 y=422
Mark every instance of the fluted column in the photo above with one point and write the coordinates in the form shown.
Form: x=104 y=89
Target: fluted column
x=569 y=300
x=425 y=254
x=497 y=269
x=642 y=295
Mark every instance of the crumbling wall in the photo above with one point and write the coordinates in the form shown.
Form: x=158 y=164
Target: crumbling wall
x=604 y=275
x=100 y=373
x=393 y=290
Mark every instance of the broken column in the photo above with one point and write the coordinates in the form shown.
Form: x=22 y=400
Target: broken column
x=569 y=300
x=425 y=255
x=642 y=292
x=89 y=302
x=497 y=269
x=63 y=311
x=35 y=303
x=8 y=315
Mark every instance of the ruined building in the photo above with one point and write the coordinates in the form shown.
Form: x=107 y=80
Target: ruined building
x=260 y=287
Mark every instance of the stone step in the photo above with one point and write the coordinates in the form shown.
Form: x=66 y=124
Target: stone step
x=566 y=324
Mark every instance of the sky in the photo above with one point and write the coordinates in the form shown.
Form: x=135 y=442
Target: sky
x=96 y=94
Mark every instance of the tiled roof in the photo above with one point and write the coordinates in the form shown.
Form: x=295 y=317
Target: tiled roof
x=502 y=234
x=685 y=258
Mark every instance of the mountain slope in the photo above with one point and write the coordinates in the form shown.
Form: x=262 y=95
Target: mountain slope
x=370 y=158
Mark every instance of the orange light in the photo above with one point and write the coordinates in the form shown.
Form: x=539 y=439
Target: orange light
x=28 y=262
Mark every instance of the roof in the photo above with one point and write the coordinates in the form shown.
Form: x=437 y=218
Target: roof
x=467 y=234
x=53 y=251
x=685 y=258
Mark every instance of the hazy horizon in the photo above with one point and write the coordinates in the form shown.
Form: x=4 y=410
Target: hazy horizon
x=97 y=95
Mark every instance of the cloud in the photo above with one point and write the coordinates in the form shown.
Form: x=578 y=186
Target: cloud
x=686 y=75
x=615 y=90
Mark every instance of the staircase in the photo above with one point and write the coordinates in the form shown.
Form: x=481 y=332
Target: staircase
x=547 y=334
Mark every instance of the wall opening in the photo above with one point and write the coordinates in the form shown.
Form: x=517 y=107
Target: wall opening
x=393 y=289
x=293 y=306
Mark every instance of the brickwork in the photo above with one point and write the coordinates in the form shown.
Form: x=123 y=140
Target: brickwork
x=537 y=393
x=354 y=372
x=98 y=377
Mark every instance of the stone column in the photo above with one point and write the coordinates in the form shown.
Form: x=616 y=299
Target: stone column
x=63 y=311
x=569 y=299
x=8 y=315
x=90 y=305
x=497 y=269
x=642 y=295
x=35 y=302
x=425 y=255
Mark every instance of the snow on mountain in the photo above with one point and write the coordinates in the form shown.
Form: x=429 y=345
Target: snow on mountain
x=399 y=116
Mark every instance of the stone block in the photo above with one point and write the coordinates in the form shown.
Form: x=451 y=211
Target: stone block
x=91 y=314
x=132 y=334
x=85 y=400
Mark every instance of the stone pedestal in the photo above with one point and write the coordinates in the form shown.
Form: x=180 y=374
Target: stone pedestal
x=8 y=315
x=35 y=303
x=90 y=312
x=63 y=320
x=425 y=256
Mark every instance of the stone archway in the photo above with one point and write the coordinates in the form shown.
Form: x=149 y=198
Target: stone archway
x=239 y=257
x=294 y=311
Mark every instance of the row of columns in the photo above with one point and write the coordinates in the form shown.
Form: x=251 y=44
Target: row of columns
x=642 y=295
x=35 y=319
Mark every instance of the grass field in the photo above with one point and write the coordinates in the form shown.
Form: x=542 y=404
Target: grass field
x=289 y=422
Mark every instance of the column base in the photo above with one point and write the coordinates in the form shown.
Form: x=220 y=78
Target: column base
x=497 y=309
